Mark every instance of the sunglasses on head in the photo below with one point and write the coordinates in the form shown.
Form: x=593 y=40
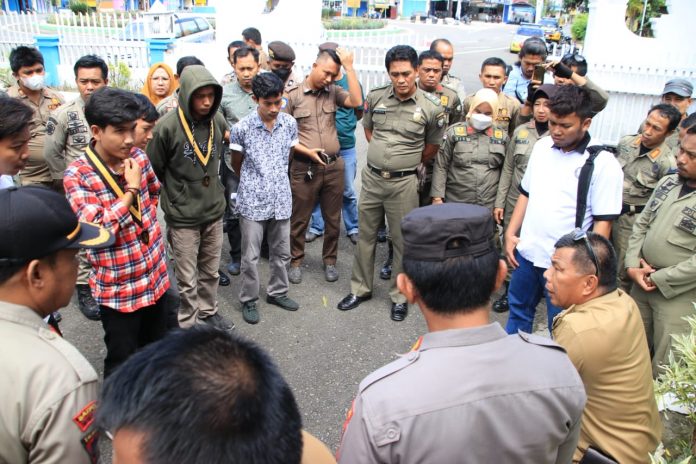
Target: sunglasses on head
x=579 y=234
x=578 y=58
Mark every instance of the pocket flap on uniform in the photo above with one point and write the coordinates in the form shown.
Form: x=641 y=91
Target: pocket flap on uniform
x=301 y=113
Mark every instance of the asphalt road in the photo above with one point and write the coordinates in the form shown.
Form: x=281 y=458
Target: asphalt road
x=324 y=353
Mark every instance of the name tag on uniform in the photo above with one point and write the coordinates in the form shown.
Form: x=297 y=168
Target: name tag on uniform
x=380 y=109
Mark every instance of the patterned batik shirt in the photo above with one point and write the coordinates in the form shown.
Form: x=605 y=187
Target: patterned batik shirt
x=264 y=186
x=132 y=273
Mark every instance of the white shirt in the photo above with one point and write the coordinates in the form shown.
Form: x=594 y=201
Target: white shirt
x=6 y=181
x=551 y=181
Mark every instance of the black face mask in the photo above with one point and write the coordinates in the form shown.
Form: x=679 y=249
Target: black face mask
x=283 y=73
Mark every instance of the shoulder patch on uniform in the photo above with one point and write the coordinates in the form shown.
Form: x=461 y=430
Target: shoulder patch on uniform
x=385 y=371
x=539 y=340
x=51 y=125
x=85 y=417
x=433 y=98
x=284 y=103
x=441 y=119
x=90 y=443
x=444 y=100
x=460 y=130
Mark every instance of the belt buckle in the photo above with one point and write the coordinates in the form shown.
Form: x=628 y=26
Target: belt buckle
x=385 y=174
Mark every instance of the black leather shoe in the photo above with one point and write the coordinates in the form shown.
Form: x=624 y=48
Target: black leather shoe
x=352 y=301
x=399 y=311
x=86 y=302
x=385 y=272
x=382 y=234
x=224 y=280
x=501 y=304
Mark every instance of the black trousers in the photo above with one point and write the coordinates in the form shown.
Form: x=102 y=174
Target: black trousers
x=125 y=333
x=234 y=233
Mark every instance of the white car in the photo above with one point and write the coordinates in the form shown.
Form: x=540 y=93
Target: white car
x=178 y=26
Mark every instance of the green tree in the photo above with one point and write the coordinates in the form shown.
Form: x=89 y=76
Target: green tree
x=579 y=27
x=634 y=14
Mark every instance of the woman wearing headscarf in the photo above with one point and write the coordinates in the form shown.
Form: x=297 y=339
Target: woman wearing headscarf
x=468 y=165
x=160 y=83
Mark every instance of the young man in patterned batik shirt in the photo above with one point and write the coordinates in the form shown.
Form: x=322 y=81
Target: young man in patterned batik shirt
x=115 y=186
x=262 y=142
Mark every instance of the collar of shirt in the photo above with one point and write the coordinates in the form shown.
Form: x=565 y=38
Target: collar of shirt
x=259 y=124
x=391 y=94
x=463 y=337
x=595 y=304
x=238 y=87
x=22 y=315
x=307 y=89
x=580 y=148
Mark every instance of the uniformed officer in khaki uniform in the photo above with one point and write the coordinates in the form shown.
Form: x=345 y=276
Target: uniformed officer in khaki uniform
x=317 y=169
x=28 y=70
x=677 y=92
x=429 y=76
x=404 y=127
x=467 y=391
x=446 y=50
x=660 y=257
x=67 y=135
x=467 y=167
x=49 y=389
x=645 y=159
x=493 y=77
x=281 y=59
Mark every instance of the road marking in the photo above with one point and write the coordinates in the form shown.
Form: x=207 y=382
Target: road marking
x=469 y=52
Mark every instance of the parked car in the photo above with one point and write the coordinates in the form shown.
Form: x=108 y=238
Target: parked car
x=552 y=32
x=524 y=32
x=178 y=26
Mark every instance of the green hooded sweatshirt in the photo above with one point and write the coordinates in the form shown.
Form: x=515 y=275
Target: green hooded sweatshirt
x=186 y=200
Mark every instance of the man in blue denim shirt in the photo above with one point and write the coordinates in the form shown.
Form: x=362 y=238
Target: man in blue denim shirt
x=346 y=122
x=533 y=53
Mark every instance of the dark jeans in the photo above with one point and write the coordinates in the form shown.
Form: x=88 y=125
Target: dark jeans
x=125 y=333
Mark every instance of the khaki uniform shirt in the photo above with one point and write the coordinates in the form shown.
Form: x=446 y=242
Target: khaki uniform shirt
x=401 y=129
x=454 y=83
x=67 y=135
x=36 y=169
x=168 y=103
x=605 y=340
x=672 y=142
x=236 y=103
x=48 y=393
x=292 y=81
x=450 y=102
x=517 y=155
x=467 y=167
x=315 y=113
x=642 y=172
x=473 y=395
x=508 y=111
x=664 y=234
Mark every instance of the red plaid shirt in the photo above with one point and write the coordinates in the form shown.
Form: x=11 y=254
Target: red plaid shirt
x=130 y=274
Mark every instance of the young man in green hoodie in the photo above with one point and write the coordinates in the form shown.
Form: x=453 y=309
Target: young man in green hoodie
x=185 y=153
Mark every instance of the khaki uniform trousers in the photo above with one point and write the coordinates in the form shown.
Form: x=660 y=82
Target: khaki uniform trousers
x=663 y=318
x=394 y=197
x=620 y=233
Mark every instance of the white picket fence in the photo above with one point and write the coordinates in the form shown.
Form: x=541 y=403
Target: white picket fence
x=16 y=29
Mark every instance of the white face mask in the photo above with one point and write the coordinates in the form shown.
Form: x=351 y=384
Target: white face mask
x=480 y=121
x=35 y=82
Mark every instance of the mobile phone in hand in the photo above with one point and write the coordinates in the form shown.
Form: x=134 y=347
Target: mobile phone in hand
x=539 y=71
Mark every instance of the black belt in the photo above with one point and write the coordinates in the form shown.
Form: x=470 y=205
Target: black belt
x=329 y=159
x=632 y=209
x=390 y=174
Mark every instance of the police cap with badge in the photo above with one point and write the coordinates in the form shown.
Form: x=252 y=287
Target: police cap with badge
x=281 y=51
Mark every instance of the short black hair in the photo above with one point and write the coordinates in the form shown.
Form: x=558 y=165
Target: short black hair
x=267 y=85
x=6 y=272
x=534 y=46
x=456 y=284
x=243 y=51
x=204 y=395
x=186 y=61
x=571 y=99
x=235 y=44
x=15 y=116
x=92 y=61
x=670 y=112
x=401 y=53
x=251 y=33
x=688 y=121
x=579 y=61
x=430 y=55
x=148 y=112
x=436 y=42
x=330 y=54
x=603 y=250
x=24 y=56
x=494 y=61
x=109 y=106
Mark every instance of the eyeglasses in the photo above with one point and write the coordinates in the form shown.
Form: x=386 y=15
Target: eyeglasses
x=578 y=58
x=579 y=234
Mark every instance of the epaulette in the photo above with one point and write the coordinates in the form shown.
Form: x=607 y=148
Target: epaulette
x=292 y=87
x=385 y=371
x=380 y=87
x=539 y=340
x=433 y=98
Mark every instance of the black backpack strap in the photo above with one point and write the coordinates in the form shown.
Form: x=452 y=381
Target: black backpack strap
x=584 y=184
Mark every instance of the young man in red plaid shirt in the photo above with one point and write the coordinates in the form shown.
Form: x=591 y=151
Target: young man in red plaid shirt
x=115 y=187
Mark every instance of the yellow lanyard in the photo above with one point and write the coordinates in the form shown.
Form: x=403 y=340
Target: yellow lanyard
x=110 y=182
x=189 y=135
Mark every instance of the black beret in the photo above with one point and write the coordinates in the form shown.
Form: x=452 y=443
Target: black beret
x=438 y=232
x=280 y=51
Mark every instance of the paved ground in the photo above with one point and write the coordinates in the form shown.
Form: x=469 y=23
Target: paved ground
x=323 y=352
